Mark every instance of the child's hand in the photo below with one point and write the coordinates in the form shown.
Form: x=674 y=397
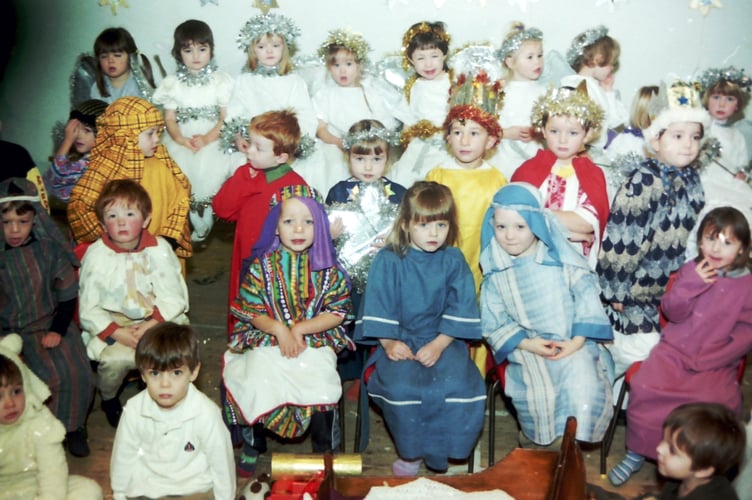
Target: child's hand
x=523 y=134
x=540 y=346
x=51 y=340
x=607 y=83
x=198 y=141
x=291 y=343
x=378 y=243
x=742 y=176
x=430 y=353
x=336 y=228
x=568 y=347
x=706 y=271
x=126 y=335
x=141 y=328
x=184 y=141
x=617 y=306
x=71 y=129
x=396 y=350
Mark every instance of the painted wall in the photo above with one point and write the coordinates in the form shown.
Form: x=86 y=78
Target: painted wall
x=658 y=37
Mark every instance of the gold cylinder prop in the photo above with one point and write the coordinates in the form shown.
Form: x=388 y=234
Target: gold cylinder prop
x=306 y=465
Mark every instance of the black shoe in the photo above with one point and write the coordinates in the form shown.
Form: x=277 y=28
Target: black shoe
x=112 y=410
x=77 y=444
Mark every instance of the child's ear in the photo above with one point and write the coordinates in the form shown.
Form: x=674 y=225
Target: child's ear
x=491 y=141
x=147 y=220
x=282 y=158
x=194 y=373
x=705 y=473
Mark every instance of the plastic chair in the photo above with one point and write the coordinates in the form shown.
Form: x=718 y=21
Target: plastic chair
x=498 y=380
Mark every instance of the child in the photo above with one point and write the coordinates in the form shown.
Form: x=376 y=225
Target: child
x=573 y=187
x=244 y=198
x=521 y=53
x=38 y=299
x=650 y=220
x=72 y=157
x=701 y=442
x=425 y=47
x=711 y=294
x=130 y=281
x=594 y=56
x=631 y=139
x=420 y=304
x=195 y=103
x=127 y=147
x=354 y=97
x=540 y=311
x=119 y=72
x=281 y=369
x=472 y=130
x=33 y=463
x=171 y=439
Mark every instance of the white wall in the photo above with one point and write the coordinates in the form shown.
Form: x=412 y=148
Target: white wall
x=658 y=37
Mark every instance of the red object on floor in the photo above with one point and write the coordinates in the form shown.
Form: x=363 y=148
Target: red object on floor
x=294 y=489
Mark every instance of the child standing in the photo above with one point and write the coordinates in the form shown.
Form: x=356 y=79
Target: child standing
x=33 y=463
x=521 y=53
x=355 y=97
x=420 y=304
x=711 y=294
x=195 y=103
x=472 y=130
x=571 y=184
x=72 y=157
x=594 y=56
x=244 y=198
x=119 y=71
x=171 y=439
x=128 y=147
x=38 y=300
x=540 y=311
x=649 y=223
x=281 y=369
x=130 y=281
x=424 y=106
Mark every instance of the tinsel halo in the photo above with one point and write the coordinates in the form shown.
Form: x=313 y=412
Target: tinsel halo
x=711 y=76
x=354 y=42
x=513 y=42
x=566 y=101
x=389 y=136
x=239 y=125
x=584 y=39
x=260 y=25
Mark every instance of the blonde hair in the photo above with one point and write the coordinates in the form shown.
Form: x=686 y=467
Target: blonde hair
x=424 y=201
x=639 y=116
x=285 y=62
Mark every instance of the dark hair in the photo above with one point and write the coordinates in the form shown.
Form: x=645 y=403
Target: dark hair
x=118 y=40
x=191 y=31
x=435 y=38
x=126 y=190
x=718 y=221
x=10 y=374
x=167 y=346
x=280 y=127
x=20 y=207
x=709 y=433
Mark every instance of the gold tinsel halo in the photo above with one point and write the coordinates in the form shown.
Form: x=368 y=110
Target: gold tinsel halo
x=423 y=27
x=352 y=41
x=566 y=101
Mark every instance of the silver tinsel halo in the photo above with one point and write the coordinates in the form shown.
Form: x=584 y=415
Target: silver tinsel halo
x=368 y=215
x=258 y=26
x=389 y=136
x=584 y=39
x=512 y=43
x=711 y=76
x=352 y=41
x=474 y=58
x=197 y=79
x=228 y=132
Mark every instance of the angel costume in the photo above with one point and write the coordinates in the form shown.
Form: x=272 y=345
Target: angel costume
x=550 y=294
x=32 y=462
x=733 y=146
x=197 y=100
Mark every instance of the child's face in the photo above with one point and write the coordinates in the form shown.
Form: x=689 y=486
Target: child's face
x=428 y=236
x=17 y=228
x=168 y=388
x=512 y=233
x=565 y=136
x=261 y=154
x=428 y=63
x=469 y=142
x=345 y=70
x=124 y=222
x=196 y=56
x=295 y=226
x=722 y=106
x=367 y=167
x=720 y=250
x=148 y=140
x=85 y=139
x=598 y=70
x=527 y=63
x=269 y=50
x=673 y=462
x=679 y=144
x=12 y=403
x=114 y=64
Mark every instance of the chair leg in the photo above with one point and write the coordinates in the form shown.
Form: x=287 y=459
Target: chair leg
x=491 y=397
x=609 y=436
x=358 y=424
x=341 y=410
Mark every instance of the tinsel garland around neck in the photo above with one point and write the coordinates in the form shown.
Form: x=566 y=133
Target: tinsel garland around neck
x=198 y=78
x=262 y=70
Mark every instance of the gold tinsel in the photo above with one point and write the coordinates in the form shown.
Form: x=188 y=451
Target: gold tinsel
x=423 y=130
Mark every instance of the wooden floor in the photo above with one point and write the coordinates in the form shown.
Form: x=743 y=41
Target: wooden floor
x=207 y=283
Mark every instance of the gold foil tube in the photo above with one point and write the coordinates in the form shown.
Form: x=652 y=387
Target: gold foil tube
x=305 y=465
